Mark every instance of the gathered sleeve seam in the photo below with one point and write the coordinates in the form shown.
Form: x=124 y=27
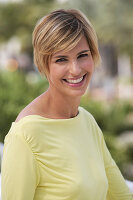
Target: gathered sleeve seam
x=37 y=165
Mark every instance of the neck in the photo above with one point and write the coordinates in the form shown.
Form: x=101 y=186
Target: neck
x=59 y=106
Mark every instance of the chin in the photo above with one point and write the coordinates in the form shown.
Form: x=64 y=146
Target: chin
x=77 y=93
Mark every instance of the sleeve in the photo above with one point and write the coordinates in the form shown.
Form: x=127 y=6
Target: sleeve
x=118 y=189
x=19 y=169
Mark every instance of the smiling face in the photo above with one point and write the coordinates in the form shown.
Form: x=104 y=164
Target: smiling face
x=70 y=72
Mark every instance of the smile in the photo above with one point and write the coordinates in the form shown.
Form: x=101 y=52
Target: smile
x=76 y=82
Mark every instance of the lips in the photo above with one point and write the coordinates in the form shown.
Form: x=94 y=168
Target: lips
x=75 y=81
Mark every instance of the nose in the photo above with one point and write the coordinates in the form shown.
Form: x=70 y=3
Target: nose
x=75 y=68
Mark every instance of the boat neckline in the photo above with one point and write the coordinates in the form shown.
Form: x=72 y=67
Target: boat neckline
x=50 y=119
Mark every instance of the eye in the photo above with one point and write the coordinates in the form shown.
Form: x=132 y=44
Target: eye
x=60 y=60
x=83 y=55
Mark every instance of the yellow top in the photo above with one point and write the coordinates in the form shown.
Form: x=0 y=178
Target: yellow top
x=59 y=159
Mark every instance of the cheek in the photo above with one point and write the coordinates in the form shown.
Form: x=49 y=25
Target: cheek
x=56 y=72
x=88 y=65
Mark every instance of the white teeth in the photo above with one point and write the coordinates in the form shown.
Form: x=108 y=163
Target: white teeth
x=75 y=81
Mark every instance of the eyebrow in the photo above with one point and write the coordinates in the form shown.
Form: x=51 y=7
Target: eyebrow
x=84 y=51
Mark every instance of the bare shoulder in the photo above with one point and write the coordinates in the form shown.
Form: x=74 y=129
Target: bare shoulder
x=31 y=109
x=36 y=107
x=28 y=110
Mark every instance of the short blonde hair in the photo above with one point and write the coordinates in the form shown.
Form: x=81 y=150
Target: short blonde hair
x=62 y=30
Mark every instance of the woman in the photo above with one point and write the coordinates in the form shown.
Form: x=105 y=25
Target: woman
x=55 y=149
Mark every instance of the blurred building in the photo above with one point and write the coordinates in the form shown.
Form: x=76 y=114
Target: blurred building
x=113 y=78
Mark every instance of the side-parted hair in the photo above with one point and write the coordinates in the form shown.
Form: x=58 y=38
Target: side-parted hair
x=62 y=30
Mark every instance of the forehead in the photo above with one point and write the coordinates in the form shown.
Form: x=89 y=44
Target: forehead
x=81 y=46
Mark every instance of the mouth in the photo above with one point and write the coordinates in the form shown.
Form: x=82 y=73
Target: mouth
x=75 y=81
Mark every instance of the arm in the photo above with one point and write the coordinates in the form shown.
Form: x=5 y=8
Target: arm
x=19 y=169
x=118 y=189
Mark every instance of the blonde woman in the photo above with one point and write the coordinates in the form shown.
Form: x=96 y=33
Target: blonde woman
x=55 y=149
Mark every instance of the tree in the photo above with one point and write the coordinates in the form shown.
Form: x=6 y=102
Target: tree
x=112 y=20
x=20 y=18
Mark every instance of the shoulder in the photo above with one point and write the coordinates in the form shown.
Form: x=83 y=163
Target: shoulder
x=90 y=120
x=30 y=109
x=23 y=114
x=33 y=108
x=87 y=115
x=27 y=133
x=26 y=127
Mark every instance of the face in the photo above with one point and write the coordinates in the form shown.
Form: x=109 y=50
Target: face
x=70 y=72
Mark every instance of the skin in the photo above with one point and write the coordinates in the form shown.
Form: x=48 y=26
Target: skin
x=62 y=99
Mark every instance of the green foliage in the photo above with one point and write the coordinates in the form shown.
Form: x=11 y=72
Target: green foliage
x=15 y=94
x=120 y=155
x=110 y=117
x=19 y=19
x=112 y=20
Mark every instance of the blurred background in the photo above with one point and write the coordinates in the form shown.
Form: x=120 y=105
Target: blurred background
x=109 y=96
